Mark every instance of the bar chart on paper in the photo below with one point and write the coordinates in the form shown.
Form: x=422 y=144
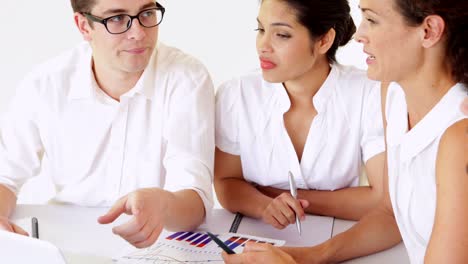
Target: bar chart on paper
x=190 y=247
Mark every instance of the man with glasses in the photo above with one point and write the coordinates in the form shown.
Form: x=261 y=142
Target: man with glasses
x=111 y=120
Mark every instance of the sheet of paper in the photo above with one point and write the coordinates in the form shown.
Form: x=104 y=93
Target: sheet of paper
x=315 y=230
x=190 y=247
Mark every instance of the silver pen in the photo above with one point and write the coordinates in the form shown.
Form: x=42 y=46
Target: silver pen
x=293 y=190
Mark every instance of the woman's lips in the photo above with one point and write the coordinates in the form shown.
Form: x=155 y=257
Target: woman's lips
x=266 y=64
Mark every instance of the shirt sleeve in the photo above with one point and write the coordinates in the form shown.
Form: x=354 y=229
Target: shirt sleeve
x=189 y=133
x=21 y=148
x=372 y=140
x=227 y=118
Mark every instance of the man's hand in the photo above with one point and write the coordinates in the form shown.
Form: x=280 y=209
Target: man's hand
x=259 y=253
x=282 y=211
x=148 y=207
x=8 y=226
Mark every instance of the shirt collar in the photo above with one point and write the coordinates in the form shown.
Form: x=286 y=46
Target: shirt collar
x=320 y=99
x=82 y=83
x=86 y=84
x=146 y=84
x=432 y=125
x=323 y=94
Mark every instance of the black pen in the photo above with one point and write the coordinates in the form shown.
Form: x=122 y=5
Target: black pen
x=35 y=227
x=220 y=243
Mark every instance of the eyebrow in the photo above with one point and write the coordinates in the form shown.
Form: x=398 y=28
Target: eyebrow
x=121 y=11
x=281 y=24
x=367 y=10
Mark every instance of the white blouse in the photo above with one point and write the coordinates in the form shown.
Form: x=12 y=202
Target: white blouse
x=346 y=131
x=411 y=164
x=96 y=149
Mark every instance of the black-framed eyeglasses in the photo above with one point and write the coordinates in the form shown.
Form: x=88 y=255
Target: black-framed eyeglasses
x=121 y=23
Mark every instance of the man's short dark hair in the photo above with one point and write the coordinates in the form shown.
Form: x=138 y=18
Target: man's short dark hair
x=83 y=6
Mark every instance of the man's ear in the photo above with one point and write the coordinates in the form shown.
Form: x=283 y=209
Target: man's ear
x=326 y=41
x=83 y=25
x=434 y=27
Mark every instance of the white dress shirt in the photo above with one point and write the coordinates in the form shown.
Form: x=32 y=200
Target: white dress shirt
x=96 y=149
x=411 y=164
x=346 y=131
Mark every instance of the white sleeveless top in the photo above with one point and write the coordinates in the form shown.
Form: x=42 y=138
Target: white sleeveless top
x=411 y=164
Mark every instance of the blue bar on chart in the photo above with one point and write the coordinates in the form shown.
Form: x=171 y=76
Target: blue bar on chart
x=182 y=237
x=174 y=235
x=193 y=237
x=204 y=243
x=202 y=238
x=231 y=240
x=237 y=243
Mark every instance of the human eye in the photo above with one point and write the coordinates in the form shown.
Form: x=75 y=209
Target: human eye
x=283 y=35
x=371 y=21
x=260 y=30
x=148 y=13
x=116 y=19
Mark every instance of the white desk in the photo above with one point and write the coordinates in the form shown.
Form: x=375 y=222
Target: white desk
x=77 y=233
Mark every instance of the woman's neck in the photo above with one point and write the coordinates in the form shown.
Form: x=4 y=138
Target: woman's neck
x=424 y=89
x=304 y=88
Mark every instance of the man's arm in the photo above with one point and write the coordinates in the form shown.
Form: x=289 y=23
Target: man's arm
x=185 y=210
x=449 y=238
x=188 y=132
x=7 y=205
x=21 y=147
x=8 y=201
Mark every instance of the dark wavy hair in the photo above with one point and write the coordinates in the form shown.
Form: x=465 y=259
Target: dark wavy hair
x=82 y=5
x=455 y=15
x=319 y=16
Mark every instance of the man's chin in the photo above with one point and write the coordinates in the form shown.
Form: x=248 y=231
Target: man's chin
x=135 y=68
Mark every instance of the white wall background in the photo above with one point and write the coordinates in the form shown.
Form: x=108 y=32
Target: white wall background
x=218 y=32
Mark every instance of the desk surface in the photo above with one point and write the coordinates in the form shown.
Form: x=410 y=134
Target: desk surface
x=77 y=233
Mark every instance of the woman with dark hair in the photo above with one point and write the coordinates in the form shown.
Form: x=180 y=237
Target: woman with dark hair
x=420 y=47
x=303 y=114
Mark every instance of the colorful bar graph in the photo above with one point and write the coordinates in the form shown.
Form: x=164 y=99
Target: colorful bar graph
x=201 y=240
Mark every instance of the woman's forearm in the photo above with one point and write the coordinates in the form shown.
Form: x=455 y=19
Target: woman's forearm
x=237 y=195
x=348 y=203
